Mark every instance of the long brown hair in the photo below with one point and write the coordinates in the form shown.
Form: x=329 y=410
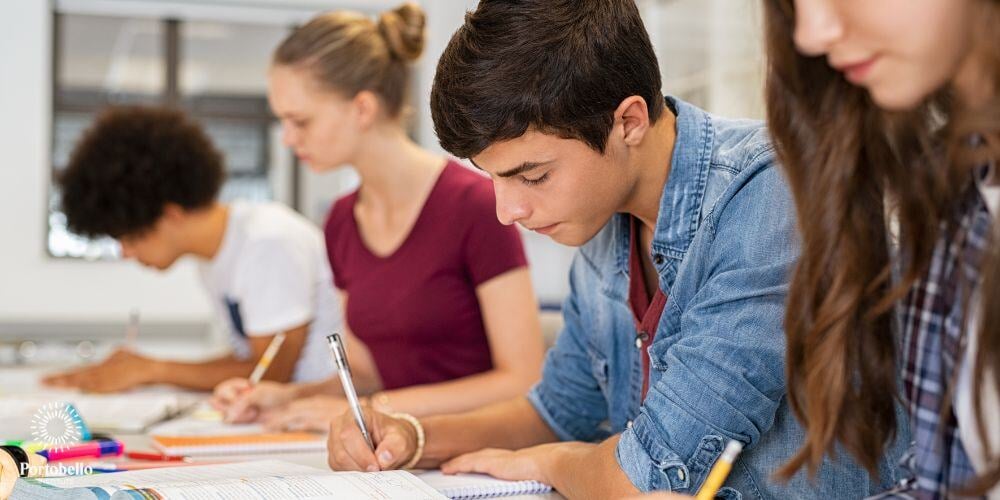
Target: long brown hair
x=852 y=169
x=348 y=52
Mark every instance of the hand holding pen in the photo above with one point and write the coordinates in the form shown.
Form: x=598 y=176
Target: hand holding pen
x=396 y=441
x=231 y=396
x=369 y=440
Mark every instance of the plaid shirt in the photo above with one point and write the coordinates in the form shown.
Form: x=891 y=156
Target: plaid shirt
x=933 y=343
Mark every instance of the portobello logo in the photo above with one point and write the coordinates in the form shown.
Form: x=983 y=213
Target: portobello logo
x=57 y=425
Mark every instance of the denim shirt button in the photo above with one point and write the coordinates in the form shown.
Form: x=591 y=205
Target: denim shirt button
x=640 y=339
x=658 y=259
x=628 y=425
x=681 y=475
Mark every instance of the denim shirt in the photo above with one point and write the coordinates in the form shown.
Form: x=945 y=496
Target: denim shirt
x=723 y=247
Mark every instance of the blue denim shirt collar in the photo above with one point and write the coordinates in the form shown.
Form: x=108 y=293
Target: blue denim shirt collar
x=680 y=204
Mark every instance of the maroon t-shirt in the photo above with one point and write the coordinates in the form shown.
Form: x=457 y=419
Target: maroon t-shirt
x=417 y=309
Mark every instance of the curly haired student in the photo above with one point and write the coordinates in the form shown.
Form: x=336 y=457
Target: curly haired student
x=150 y=178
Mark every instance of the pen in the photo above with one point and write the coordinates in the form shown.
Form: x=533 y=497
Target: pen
x=720 y=471
x=344 y=371
x=262 y=364
x=132 y=330
x=265 y=361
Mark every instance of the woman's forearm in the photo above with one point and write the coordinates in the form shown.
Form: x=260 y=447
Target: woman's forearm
x=455 y=396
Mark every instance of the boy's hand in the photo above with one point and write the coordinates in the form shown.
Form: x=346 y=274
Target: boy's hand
x=395 y=442
x=121 y=371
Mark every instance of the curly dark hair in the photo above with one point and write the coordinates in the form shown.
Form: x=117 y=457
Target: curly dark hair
x=130 y=163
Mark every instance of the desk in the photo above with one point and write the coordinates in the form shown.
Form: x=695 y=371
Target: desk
x=14 y=381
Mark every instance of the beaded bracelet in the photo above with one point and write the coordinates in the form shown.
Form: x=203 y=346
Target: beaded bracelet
x=417 y=455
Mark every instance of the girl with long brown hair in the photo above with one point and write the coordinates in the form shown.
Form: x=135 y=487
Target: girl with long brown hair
x=886 y=117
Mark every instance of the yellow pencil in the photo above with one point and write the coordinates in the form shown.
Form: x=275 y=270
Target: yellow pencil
x=267 y=358
x=720 y=471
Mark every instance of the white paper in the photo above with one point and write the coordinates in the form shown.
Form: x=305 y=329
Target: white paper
x=265 y=479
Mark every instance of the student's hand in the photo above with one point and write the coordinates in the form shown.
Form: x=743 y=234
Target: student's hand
x=307 y=414
x=121 y=371
x=525 y=464
x=239 y=401
x=395 y=442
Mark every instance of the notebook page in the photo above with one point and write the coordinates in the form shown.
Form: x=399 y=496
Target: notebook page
x=468 y=486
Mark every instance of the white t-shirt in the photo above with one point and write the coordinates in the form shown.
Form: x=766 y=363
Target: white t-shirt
x=989 y=396
x=271 y=274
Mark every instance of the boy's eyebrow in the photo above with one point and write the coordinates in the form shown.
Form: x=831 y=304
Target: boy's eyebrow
x=522 y=168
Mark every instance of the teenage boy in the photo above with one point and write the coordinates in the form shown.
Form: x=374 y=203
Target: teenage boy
x=673 y=342
x=149 y=177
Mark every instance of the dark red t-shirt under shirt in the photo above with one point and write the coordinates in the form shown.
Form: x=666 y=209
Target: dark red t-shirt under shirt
x=646 y=311
x=417 y=309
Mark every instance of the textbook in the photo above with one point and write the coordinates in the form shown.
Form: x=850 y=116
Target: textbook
x=264 y=479
x=474 y=486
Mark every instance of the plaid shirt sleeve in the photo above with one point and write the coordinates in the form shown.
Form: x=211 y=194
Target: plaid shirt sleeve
x=932 y=340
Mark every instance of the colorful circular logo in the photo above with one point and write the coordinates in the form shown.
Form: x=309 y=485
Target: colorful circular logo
x=57 y=425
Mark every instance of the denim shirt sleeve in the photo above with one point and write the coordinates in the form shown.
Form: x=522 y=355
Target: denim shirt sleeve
x=723 y=371
x=568 y=397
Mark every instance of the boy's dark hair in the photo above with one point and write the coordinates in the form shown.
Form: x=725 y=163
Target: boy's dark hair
x=559 y=66
x=130 y=163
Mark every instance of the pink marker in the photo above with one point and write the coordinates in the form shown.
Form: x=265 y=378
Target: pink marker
x=96 y=449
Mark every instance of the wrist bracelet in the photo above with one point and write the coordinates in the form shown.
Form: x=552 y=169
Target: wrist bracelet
x=417 y=455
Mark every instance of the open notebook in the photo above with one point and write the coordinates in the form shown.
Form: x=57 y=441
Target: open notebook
x=264 y=479
x=471 y=486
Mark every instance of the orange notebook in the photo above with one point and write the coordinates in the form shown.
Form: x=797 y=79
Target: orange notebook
x=238 y=444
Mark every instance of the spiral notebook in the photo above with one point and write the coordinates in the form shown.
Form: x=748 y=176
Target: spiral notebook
x=472 y=486
x=234 y=444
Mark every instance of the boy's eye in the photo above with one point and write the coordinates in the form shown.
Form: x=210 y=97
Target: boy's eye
x=537 y=180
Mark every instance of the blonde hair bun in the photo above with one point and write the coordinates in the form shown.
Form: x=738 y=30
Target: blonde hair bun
x=403 y=31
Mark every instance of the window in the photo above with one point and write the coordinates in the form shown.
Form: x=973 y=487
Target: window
x=710 y=52
x=215 y=71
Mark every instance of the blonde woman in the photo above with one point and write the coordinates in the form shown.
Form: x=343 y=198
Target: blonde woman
x=436 y=289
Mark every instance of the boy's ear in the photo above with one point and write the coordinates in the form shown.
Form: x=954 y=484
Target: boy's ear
x=633 y=116
x=173 y=212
